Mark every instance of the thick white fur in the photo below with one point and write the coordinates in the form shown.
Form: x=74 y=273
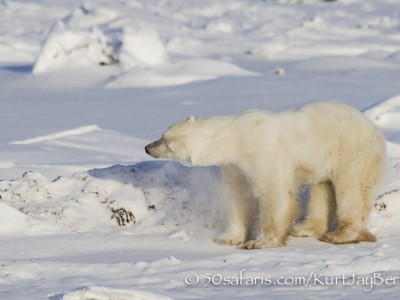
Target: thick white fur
x=265 y=157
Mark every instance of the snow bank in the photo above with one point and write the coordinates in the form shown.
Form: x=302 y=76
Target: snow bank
x=74 y=48
x=386 y=114
x=81 y=39
x=77 y=41
x=14 y=222
x=88 y=36
x=153 y=44
x=147 y=195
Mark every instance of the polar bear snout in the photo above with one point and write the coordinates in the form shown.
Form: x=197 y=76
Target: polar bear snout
x=156 y=149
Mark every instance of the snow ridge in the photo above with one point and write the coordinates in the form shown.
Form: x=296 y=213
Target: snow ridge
x=58 y=135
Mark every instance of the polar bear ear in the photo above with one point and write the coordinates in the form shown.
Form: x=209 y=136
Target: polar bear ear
x=190 y=119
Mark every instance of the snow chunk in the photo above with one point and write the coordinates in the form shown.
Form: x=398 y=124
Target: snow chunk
x=81 y=39
x=141 y=47
x=65 y=47
x=77 y=41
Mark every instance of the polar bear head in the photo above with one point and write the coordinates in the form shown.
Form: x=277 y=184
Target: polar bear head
x=199 y=142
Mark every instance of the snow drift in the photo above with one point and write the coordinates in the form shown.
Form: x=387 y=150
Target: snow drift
x=89 y=37
x=146 y=195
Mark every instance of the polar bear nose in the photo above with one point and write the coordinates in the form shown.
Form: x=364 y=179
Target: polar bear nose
x=147 y=149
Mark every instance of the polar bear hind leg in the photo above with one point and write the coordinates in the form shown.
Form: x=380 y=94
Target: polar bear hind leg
x=321 y=212
x=354 y=198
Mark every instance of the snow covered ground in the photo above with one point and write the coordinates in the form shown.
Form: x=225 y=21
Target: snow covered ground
x=85 y=85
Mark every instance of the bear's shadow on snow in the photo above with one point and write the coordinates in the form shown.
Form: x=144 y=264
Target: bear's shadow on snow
x=159 y=174
x=186 y=194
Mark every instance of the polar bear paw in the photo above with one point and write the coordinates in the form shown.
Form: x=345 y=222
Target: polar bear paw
x=263 y=242
x=306 y=229
x=348 y=236
x=229 y=239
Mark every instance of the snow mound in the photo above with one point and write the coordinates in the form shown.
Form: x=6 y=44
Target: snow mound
x=100 y=292
x=71 y=202
x=141 y=47
x=386 y=115
x=143 y=197
x=14 y=222
x=141 y=53
x=74 y=48
x=81 y=39
x=386 y=214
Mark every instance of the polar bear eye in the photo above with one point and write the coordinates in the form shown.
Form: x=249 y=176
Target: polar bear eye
x=170 y=146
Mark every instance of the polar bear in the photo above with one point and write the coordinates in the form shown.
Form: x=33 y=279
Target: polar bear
x=265 y=157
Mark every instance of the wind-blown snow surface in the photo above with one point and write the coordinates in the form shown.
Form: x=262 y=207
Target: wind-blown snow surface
x=86 y=214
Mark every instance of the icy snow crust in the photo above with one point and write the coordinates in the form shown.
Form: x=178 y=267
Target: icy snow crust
x=86 y=214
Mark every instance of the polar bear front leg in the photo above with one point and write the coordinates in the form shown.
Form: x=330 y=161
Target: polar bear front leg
x=239 y=203
x=278 y=210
